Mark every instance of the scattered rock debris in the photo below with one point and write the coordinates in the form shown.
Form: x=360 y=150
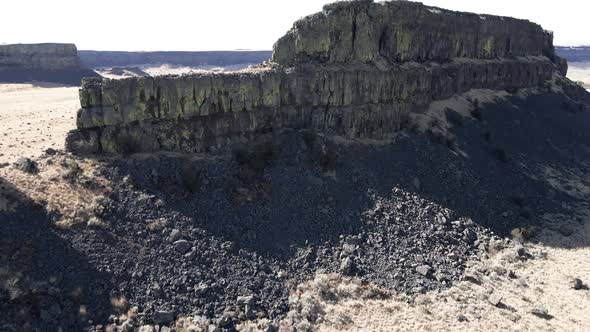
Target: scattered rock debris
x=26 y=165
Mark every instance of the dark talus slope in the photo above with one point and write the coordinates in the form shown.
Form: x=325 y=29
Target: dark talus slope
x=45 y=283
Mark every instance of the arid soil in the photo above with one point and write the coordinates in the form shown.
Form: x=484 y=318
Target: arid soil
x=580 y=72
x=35 y=117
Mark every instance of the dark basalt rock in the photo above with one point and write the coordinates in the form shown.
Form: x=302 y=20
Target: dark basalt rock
x=401 y=31
x=357 y=69
x=26 y=165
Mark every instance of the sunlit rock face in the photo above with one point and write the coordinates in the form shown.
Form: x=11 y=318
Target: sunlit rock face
x=356 y=69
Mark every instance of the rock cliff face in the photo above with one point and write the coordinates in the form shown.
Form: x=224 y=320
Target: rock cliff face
x=41 y=62
x=357 y=69
x=400 y=31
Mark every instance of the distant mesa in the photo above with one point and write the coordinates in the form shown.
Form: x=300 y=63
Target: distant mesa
x=574 y=54
x=40 y=56
x=57 y=63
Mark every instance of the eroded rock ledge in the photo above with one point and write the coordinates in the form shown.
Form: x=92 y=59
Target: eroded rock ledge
x=356 y=69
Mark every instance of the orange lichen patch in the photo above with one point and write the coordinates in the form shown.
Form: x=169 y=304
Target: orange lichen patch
x=64 y=186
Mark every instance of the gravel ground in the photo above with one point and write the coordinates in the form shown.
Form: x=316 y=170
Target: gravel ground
x=227 y=237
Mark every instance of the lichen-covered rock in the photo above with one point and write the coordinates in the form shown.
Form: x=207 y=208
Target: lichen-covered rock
x=122 y=102
x=401 y=31
x=357 y=69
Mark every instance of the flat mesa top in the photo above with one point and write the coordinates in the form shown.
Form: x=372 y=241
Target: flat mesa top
x=43 y=48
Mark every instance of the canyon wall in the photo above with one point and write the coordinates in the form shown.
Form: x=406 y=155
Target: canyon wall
x=357 y=69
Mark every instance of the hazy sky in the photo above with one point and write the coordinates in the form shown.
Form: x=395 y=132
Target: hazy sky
x=195 y=25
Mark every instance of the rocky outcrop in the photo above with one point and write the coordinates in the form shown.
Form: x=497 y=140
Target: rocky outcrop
x=357 y=69
x=42 y=62
x=400 y=31
x=198 y=112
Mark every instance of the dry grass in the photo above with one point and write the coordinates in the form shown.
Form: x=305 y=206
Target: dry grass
x=312 y=301
x=69 y=192
x=523 y=286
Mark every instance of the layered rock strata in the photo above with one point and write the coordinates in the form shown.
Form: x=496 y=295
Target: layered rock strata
x=357 y=69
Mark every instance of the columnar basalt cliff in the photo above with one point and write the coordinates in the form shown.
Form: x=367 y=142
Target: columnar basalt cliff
x=41 y=62
x=402 y=31
x=356 y=69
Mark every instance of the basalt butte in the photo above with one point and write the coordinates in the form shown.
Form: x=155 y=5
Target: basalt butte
x=357 y=69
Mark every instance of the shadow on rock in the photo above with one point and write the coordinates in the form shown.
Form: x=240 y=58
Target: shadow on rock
x=44 y=282
x=525 y=159
x=198 y=231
